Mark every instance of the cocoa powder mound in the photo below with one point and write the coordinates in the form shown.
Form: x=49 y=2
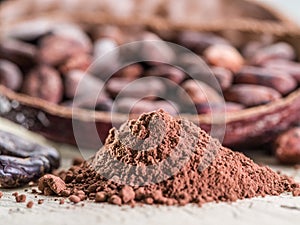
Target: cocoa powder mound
x=158 y=159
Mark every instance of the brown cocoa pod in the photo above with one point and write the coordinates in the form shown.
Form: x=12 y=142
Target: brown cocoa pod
x=18 y=52
x=287 y=146
x=55 y=50
x=224 y=77
x=198 y=42
x=45 y=83
x=23 y=161
x=227 y=107
x=281 y=50
x=198 y=92
x=166 y=71
x=292 y=68
x=10 y=75
x=251 y=95
x=278 y=80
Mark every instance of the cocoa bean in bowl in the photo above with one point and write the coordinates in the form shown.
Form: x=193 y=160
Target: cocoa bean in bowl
x=55 y=78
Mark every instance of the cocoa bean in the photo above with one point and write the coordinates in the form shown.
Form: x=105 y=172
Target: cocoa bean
x=10 y=75
x=55 y=50
x=18 y=52
x=199 y=93
x=198 y=42
x=224 y=56
x=279 y=50
x=278 y=80
x=287 y=146
x=224 y=77
x=251 y=95
x=44 y=82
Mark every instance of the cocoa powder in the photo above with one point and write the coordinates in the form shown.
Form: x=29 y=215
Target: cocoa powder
x=158 y=159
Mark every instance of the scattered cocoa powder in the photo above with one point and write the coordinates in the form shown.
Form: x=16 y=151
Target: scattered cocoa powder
x=20 y=198
x=30 y=204
x=158 y=159
x=62 y=201
x=40 y=201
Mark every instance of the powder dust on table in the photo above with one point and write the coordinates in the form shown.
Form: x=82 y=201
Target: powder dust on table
x=159 y=159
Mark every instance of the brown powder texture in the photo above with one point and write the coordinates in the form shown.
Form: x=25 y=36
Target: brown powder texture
x=158 y=159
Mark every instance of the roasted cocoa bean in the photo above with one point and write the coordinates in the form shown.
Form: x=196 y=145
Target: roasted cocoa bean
x=22 y=161
x=279 y=50
x=55 y=50
x=45 y=83
x=18 y=52
x=10 y=75
x=287 y=146
x=198 y=92
x=251 y=95
x=224 y=77
x=278 y=80
x=224 y=56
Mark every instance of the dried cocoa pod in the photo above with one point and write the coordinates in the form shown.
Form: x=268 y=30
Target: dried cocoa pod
x=224 y=77
x=278 y=80
x=55 y=50
x=251 y=95
x=18 y=52
x=199 y=93
x=198 y=42
x=287 y=146
x=224 y=56
x=10 y=75
x=45 y=83
x=22 y=161
x=292 y=68
x=281 y=50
